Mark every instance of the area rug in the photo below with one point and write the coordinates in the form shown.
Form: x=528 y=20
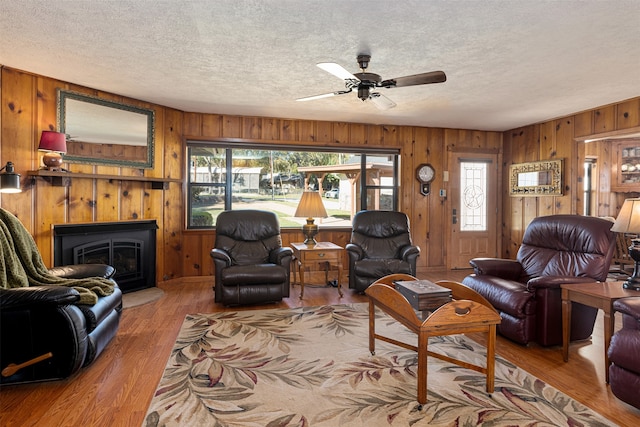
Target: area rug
x=144 y=296
x=311 y=366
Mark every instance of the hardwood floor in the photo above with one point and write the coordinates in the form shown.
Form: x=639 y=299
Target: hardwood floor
x=117 y=388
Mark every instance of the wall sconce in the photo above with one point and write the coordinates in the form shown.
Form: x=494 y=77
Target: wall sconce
x=628 y=221
x=9 y=180
x=310 y=207
x=55 y=144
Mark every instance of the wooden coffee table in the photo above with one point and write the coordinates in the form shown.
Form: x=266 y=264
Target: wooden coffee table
x=326 y=253
x=467 y=313
x=599 y=295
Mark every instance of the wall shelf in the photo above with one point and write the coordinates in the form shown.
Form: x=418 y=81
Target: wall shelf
x=63 y=179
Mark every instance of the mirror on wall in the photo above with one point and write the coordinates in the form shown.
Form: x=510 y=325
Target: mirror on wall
x=542 y=178
x=105 y=132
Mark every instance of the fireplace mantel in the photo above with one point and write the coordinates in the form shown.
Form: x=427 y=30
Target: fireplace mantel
x=63 y=179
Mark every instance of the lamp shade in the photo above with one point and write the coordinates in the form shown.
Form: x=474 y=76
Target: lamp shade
x=9 y=180
x=628 y=220
x=311 y=206
x=53 y=141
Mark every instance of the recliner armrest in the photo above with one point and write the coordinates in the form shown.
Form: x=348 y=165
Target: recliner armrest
x=82 y=271
x=555 y=281
x=508 y=269
x=409 y=250
x=629 y=306
x=220 y=255
x=279 y=255
x=16 y=298
x=355 y=251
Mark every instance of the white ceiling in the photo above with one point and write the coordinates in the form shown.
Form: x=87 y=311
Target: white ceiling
x=508 y=63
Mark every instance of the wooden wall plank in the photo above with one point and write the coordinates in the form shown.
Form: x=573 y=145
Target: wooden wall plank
x=232 y=127
x=628 y=114
x=604 y=119
x=583 y=123
x=566 y=148
x=252 y=128
x=173 y=221
x=18 y=123
x=289 y=130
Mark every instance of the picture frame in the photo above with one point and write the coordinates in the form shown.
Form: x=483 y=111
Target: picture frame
x=541 y=178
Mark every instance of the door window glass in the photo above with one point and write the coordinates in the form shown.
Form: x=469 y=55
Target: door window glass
x=473 y=203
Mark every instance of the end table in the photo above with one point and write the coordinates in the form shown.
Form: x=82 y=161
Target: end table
x=599 y=295
x=322 y=252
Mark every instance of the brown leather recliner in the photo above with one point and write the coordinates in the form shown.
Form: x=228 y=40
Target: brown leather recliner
x=380 y=245
x=624 y=371
x=251 y=266
x=555 y=250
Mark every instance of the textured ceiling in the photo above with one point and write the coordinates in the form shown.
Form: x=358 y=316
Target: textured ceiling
x=508 y=63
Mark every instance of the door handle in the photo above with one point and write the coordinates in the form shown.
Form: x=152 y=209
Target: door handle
x=454 y=217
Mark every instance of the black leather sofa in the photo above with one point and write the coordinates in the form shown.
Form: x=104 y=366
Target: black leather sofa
x=555 y=249
x=37 y=320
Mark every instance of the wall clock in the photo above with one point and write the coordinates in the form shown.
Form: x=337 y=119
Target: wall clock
x=425 y=174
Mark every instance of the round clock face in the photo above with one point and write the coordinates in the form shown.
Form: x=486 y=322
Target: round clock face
x=426 y=173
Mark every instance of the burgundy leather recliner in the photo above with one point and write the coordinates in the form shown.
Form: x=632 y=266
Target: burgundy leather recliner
x=555 y=250
x=624 y=371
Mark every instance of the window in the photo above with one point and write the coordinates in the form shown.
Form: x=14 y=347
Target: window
x=589 y=186
x=473 y=209
x=249 y=177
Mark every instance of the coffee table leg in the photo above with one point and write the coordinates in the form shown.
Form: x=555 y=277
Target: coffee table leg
x=491 y=358
x=423 y=341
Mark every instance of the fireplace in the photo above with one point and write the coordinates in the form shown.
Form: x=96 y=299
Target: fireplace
x=128 y=246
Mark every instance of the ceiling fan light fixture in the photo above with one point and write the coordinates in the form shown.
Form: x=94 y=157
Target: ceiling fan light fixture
x=363 y=92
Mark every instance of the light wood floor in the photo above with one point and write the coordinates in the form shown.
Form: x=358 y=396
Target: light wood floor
x=117 y=388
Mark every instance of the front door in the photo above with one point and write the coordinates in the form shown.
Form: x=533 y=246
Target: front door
x=473 y=207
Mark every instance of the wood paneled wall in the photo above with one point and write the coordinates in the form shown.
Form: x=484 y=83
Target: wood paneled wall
x=416 y=144
x=562 y=139
x=29 y=106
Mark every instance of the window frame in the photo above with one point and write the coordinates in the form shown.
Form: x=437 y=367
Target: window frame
x=227 y=185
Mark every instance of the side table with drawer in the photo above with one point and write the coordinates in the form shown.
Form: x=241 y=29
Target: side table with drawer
x=326 y=253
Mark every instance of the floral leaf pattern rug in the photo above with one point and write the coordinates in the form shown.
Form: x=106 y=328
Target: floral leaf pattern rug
x=311 y=366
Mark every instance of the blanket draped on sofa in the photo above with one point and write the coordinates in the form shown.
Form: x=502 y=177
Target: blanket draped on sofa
x=21 y=264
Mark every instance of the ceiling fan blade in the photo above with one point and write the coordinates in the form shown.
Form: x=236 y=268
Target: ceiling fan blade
x=337 y=70
x=381 y=101
x=324 y=95
x=416 y=79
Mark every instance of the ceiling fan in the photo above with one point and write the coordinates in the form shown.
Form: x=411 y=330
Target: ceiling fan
x=365 y=83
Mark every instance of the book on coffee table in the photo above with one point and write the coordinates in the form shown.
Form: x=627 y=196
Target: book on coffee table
x=423 y=294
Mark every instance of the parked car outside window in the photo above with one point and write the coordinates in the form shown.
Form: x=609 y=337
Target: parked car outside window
x=332 y=194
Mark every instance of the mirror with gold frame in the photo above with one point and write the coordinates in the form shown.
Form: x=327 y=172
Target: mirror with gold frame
x=543 y=178
x=105 y=132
